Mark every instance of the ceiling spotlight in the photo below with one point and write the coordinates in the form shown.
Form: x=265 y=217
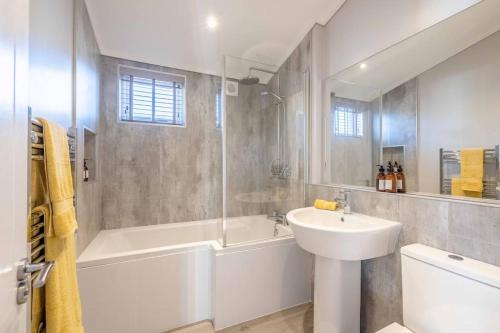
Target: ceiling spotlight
x=212 y=22
x=362 y=65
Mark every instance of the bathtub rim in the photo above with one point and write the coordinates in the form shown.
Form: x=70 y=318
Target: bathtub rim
x=86 y=260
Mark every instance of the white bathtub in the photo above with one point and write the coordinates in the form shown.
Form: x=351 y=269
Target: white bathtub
x=156 y=278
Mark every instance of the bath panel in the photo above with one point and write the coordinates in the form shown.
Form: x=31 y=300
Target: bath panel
x=157 y=278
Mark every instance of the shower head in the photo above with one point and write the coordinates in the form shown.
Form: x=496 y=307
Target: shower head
x=267 y=93
x=249 y=80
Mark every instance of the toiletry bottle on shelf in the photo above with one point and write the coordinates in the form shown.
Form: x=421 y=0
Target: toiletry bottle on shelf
x=85 y=171
x=380 y=183
x=390 y=179
x=401 y=180
x=395 y=169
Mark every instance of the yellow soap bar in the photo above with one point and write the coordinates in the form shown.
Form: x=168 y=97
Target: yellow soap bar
x=326 y=205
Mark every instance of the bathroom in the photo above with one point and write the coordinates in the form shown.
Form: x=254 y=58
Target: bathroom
x=224 y=160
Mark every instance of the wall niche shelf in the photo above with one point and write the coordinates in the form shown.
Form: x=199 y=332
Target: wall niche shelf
x=89 y=155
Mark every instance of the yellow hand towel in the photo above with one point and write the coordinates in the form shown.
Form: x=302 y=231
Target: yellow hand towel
x=325 y=205
x=456 y=187
x=62 y=299
x=472 y=171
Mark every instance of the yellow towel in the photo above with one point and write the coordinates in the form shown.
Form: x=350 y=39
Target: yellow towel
x=63 y=312
x=326 y=205
x=472 y=171
x=456 y=187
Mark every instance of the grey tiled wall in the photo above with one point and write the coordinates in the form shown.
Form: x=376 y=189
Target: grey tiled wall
x=399 y=123
x=160 y=174
x=86 y=81
x=468 y=229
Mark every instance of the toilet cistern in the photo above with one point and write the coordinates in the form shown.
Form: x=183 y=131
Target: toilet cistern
x=445 y=292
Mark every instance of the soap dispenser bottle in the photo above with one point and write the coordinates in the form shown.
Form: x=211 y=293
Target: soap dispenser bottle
x=390 y=179
x=85 y=171
x=401 y=180
x=380 y=183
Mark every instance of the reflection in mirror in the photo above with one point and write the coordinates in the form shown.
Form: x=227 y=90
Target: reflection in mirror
x=430 y=103
x=353 y=130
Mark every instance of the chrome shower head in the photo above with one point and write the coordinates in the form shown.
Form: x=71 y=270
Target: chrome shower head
x=249 y=80
x=267 y=93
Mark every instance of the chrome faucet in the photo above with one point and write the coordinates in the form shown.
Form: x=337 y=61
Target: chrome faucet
x=279 y=218
x=345 y=201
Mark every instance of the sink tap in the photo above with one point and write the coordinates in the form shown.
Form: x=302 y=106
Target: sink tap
x=279 y=218
x=344 y=201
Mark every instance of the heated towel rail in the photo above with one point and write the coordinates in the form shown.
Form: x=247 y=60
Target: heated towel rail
x=450 y=168
x=36 y=264
x=37 y=227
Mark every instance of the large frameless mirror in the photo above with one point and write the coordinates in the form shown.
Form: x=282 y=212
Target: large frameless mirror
x=429 y=104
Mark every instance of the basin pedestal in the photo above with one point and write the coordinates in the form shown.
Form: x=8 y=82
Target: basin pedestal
x=340 y=242
x=337 y=295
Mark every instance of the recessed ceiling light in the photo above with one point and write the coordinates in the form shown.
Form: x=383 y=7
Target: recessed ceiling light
x=212 y=22
x=362 y=65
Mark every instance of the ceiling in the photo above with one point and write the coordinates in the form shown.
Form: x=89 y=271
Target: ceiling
x=174 y=33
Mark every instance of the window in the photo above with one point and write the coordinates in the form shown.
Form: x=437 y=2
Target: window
x=348 y=121
x=152 y=97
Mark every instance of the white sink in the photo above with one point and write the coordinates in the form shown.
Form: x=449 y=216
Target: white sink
x=343 y=236
x=339 y=242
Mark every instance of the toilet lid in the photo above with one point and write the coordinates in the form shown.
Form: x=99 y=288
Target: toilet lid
x=394 y=328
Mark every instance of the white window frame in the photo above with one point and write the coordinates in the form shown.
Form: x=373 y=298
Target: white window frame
x=152 y=73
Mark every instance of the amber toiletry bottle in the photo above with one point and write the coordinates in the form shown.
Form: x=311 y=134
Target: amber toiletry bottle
x=390 y=179
x=380 y=185
x=401 y=180
x=85 y=171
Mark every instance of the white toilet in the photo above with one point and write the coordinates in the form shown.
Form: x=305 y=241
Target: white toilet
x=445 y=293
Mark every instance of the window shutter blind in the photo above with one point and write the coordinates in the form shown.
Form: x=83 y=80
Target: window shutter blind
x=348 y=121
x=152 y=97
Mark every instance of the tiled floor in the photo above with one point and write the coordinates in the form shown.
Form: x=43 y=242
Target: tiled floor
x=295 y=320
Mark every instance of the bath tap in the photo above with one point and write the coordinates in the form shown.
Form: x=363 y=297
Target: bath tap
x=279 y=218
x=344 y=201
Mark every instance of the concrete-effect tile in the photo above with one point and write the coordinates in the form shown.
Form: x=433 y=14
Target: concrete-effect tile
x=424 y=221
x=475 y=222
x=381 y=292
x=87 y=89
x=475 y=232
x=382 y=205
x=160 y=174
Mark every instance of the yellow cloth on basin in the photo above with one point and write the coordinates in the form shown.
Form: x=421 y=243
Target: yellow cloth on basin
x=472 y=171
x=325 y=205
x=62 y=298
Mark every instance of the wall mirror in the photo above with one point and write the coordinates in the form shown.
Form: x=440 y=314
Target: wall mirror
x=431 y=103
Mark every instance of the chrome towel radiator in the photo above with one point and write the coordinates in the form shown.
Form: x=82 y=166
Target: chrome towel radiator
x=450 y=168
x=34 y=271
